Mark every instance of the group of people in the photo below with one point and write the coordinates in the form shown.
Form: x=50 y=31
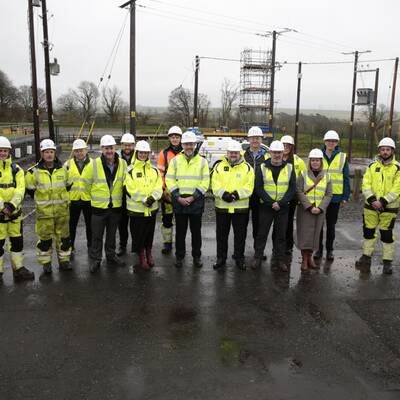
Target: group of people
x=122 y=191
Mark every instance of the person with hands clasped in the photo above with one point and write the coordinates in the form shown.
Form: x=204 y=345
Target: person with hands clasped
x=314 y=193
x=143 y=188
x=232 y=182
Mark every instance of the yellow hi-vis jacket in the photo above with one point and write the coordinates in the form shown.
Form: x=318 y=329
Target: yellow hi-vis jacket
x=227 y=178
x=102 y=196
x=142 y=180
x=278 y=190
x=382 y=182
x=80 y=189
x=51 y=195
x=12 y=186
x=188 y=175
x=317 y=194
x=299 y=165
x=335 y=170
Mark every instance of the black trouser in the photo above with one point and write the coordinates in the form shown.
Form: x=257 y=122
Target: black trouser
x=332 y=213
x=290 y=225
x=108 y=221
x=254 y=205
x=167 y=214
x=279 y=219
x=239 y=223
x=182 y=221
x=142 y=229
x=75 y=209
x=123 y=229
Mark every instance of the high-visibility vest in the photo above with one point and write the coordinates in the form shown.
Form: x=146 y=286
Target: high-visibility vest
x=101 y=195
x=383 y=181
x=335 y=170
x=227 y=178
x=51 y=195
x=80 y=189
x=12 y=185
x=276 y=190
x=188 y=175
x=141 y=181
x=299 y=165
x=315 y=195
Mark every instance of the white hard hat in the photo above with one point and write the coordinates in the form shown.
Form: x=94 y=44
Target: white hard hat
x=127 y=138
x=47 y=144
x=189 y=137
x=331 y=135
x=107 y=140
x=142 y=145
x=287 y=139
x=79 y=144
x=175 y=130
x=234 y=145
x=255 y=131
x=276 y=145
x=4 y=143
x=316 y=153
x=387 y=141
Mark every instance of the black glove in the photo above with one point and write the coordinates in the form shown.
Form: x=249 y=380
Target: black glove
x=235 y=195
x=10 y=206
x=149 y=201
x=227 y=197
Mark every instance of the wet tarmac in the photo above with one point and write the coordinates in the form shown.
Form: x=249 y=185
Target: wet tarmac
x=198 y=334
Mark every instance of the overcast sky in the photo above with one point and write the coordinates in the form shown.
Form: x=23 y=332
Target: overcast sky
x=171 y=32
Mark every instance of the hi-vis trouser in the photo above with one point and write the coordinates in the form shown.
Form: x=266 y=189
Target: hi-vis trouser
x=167 y=216
x=46 y=230
x=12 y=230
x=385 y=222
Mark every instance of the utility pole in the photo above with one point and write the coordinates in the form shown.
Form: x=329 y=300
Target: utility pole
x=35 y=104
x=296 y=125
x=49 y=100
x=196 y=92
x=373 y=115
x=353 y=98
x=132 y=65
x=396 y=66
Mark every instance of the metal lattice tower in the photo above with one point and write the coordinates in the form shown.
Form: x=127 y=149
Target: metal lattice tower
x=255 y=88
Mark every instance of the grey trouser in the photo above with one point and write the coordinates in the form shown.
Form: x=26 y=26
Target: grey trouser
x=107 y=221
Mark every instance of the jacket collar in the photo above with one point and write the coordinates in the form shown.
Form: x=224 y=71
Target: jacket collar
x=57 y=164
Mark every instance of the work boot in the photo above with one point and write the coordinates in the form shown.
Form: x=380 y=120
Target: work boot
x=122 y=251
x=256 y=263
x=179 y=262
x=283 y=266
x=363 y=264
x=167 y=248
x=197 y=262
x=47 y=268
x=387 y=267
x=143 y=262
x=94 y=266
x=304 y=261
x=23 y=274
x=149 y=257
x=220 y=264
x=64 y=266
x=240 y=264
x=115 y=261
x=329 y=255
x=310 y=260
x=317 y=255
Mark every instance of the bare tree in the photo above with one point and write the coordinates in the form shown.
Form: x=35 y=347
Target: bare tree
x=180 y=106
x=87 y=96
x=67 y=102
x=25 y=99
x=382 y=114
x=229 y=94
x=203 y=110
x=8 y=95
x=112 y=103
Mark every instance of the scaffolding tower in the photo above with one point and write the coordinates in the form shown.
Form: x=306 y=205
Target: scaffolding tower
x=255 y=88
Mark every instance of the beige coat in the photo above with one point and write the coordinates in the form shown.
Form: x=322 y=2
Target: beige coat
x=309 y=225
